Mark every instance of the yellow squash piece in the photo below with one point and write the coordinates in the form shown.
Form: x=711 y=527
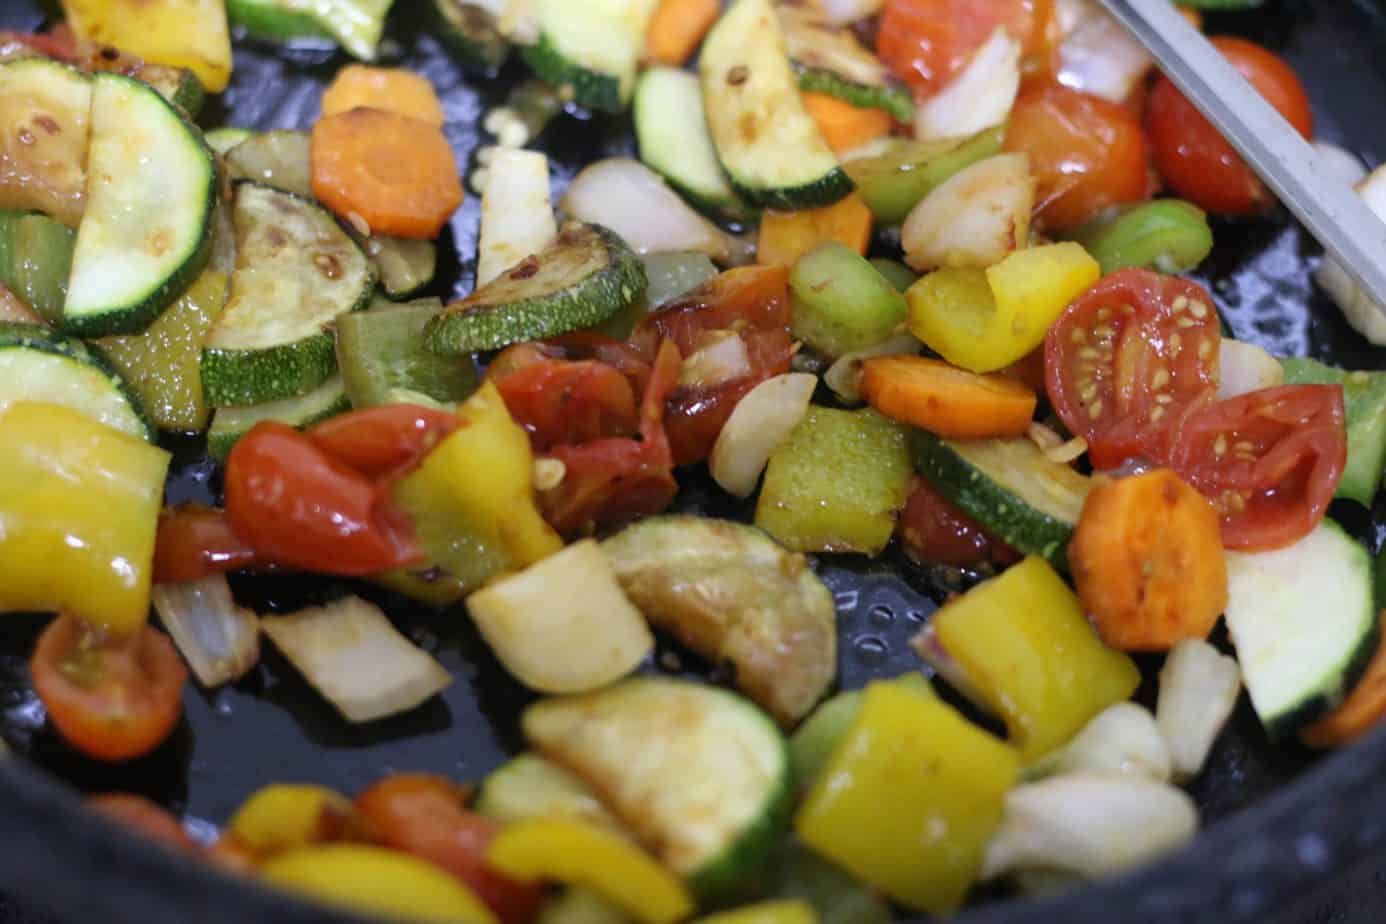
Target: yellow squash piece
x=178 y=33
x=777 y=912
x=373 y=880
x=578 y=853
x=286 y=816
x=79 y=509
x=984 y=320
x=1026 y=646
x=910 y=798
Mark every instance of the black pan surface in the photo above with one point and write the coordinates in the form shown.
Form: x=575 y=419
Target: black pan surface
x=1278 y=817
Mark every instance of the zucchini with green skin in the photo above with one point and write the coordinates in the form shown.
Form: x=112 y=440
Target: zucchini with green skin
x=531 y=787
x=592 y=47
x=229 y=424
x=1008 y=486
x=709 y=794
x=40 y=365
x=1364 y=403
x=1303 y=622
x=584 y=277
x=146 y=233
x=45 y=107
x=474 y=34
x=178 y=85
x=223 y=140
x=405 y=267
x=841 y=302
x=35 y=261
x=296 y=272
x=829 y=59
x=382 y=357
x=356 y=25
x=728 y=592
x=768 y=144
x=895 y=180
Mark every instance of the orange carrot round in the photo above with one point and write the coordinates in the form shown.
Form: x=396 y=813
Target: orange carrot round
x=357 y=86
x=397 y=174
x=843 y=125
x=1363 y=708
x=932 y=395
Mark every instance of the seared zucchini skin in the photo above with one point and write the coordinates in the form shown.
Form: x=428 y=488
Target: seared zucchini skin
x=591 y=89
x=472 y=33
x=229 y=424
x=894 y=100
x=831 y=188
x=482 y=322
x=240 y=378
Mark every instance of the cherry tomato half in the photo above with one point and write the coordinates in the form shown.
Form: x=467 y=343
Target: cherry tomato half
x=197 y=542
x=1193 y=158
x=933 y=530
x=112 y=699
x=148 y=818
x=425 y=816
x=1086 y=153
x=386 y=440
x=561 y=402
x=1269 y=460
x=927 y=42
x=1127 y=357
x=297 y=506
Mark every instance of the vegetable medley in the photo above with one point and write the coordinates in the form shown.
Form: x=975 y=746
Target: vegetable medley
x=898 y=273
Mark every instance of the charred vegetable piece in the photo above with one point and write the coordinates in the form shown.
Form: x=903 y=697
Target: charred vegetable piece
x=382 y=358
x=190 y=34
x=731 y=594
x=841 y=302
x=46 y=108
x=35 y=261
x=836 y=483
x=829 y=59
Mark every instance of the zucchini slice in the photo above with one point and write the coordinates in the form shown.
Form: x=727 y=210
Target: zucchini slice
x=699 y=774
x=593 y=47
x=35 y=261
x=675 y=141
x=229 y=424
x=474 y=33
x=147 y=230
x=730 y=593
x=45 y=107
x=282 y=159
x=768 y=144
x=829 y=59
x=224 y=140
x=383 y=360
x=584 y=277
x=178 y=85
x=356 y=25
x=1304 y=625
x=297 y=270
x=405 y=267
x=1008 y=486
x=40 y=365
x=531 y=787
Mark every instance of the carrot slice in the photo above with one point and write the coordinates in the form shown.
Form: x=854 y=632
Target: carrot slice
x=357 y=86
x=1147 y=561
x=1362 y=710
x=397 y=174
x=677 y=28
x=787 y=236
x=943 y=399
x=843 y=125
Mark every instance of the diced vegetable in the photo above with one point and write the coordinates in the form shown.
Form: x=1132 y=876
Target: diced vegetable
x=351 y=654
x=984 y=322
x=376 y=880
x=1245 y=367
x=1169 y=236
x=677 y=29
x=844 y=376
x=814 y=741
x=836 y=483
x=841 y=302
x=945 y=400
x=475 y=32
x=405 y=267
x=673 y=275
x=917 y=836
x=1090 y=825
x=979 y=97
x=382 y=358
x=1122 y=740
x=578 y=853
x=229 y=424
x=290 y=816
x=282 y=159
x=179 y=34
x=1198 y=691
x=761 y=421
x=389 y=88
x=1364 y=401
x=733 y=596
x=219 y=640
x=836 y=896
x=593 y=48
x=1030 y=653
x=517 y=218
x=1147 y=561
x=895 y=272
x=48 y=172
x=36 y=259
x=356 y=25
x=894 y=181
x=786 y=236
x=1359 y=713
x=531 y=787
x=831 y=61
x=563 y=625
x=709 y=793
x=784 y=911
x=222 y=140
x=845 y=127
x=79 y=508
x=975 y=218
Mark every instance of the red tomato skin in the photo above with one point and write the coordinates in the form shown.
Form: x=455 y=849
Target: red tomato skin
x=386 y=440
x=300 y=508
x=1119 y=378
x=927 y=42
x=143 y=816
x=933 y=530
x=564 y=402
x=195 y=543
x=1087 y=154
x=1193 y=158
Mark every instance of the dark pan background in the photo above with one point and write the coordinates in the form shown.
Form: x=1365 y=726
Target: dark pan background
x=1275 y=851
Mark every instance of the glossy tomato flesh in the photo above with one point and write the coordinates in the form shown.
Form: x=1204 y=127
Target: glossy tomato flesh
x=565 y=402
x=927 y=42
x=140 y=814
x=197 y=542
x=386 y=440
x=933 y=530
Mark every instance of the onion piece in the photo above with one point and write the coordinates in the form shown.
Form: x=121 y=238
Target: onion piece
x=1246 y=367
x=976 y=218
x=635 y=202
x=360 y=663
x=219 y=640
x=722 y=357
x=1096 y=54
x=842 y=12
x=844 y=376
x=1199 y=688
x=760 y=422
x=980 y=96
x=516 y=213
x=1122 y=740
x=1361 y=312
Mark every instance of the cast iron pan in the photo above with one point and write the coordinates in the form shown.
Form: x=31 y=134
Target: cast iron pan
x=1278 y=819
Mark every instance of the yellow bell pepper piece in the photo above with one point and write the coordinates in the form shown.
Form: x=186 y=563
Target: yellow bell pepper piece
x=777 y=912
x=1028 y=649
x=178 y=33
x=984 y=320
x=579 y=853
x=374 y=880
x=910 y=798
x=286 y=816
x=79 y=509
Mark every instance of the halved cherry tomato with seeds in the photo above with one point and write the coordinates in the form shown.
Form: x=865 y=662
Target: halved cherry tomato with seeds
x=112 y=699
x=1126 y=356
